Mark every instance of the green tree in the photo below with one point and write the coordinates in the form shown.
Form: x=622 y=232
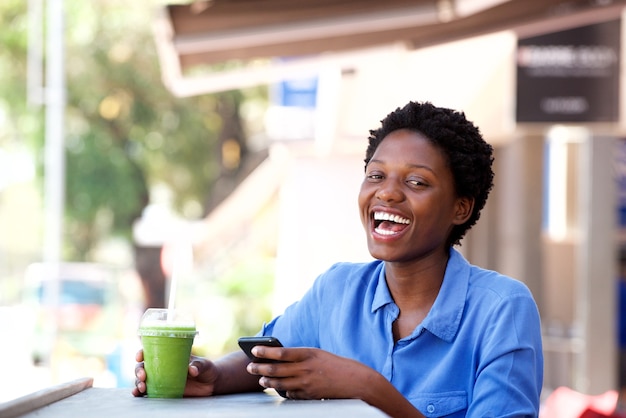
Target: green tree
x=124 y=130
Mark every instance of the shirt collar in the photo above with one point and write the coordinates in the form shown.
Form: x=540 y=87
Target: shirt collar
x=382 y=296
x=444 y=317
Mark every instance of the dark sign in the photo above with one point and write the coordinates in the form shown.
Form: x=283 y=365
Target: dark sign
x=570 y=76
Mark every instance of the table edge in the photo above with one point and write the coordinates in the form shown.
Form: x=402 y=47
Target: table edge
x=41 y=398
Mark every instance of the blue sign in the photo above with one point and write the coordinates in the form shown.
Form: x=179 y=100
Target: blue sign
x=297 y=93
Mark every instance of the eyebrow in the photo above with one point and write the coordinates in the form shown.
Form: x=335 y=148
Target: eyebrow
x=425 y=167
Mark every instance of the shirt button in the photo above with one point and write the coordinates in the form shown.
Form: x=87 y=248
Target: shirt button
x=430 y=408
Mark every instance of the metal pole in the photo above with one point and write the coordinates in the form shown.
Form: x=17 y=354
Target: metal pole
x=596 y=301
x=54 y=185
x=54 y=169
x=34 y=69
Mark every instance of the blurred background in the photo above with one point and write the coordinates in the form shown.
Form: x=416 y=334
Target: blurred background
x=221 y=143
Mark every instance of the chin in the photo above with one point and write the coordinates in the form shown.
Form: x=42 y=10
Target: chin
x=380 y=254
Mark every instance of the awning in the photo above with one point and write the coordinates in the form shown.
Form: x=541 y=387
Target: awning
x=202 y=33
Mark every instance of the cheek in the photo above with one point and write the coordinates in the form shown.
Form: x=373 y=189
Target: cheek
x=363 y=202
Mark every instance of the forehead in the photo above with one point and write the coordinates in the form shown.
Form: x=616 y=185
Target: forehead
x=410 y=146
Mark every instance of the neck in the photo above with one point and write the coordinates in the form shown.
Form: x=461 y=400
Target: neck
x=414 y=289
x=415 y=285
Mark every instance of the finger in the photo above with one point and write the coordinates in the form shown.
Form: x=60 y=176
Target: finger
x=140 y=372
x=253 y=368
x=273 y=353
x=193 y=370
x=279 y=386
x=139 y=356
x=139 y=389
x=264 y=381
x=263 y=369
x=275 y=369
x=197 y=366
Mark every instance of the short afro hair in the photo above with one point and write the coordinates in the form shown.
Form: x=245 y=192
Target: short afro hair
x=469 y=157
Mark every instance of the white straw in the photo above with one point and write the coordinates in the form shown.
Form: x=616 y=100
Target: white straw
x=172 y=294
x=182 y=264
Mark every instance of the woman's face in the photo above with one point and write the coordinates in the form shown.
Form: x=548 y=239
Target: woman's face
x=407 y=201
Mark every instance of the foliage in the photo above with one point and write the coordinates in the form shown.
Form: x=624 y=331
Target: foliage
x=124 y=131
x=20 y=123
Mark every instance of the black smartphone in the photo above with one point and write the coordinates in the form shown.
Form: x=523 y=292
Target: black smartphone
x=246 y=344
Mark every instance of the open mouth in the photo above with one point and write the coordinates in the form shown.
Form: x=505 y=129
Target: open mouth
x=388 y=224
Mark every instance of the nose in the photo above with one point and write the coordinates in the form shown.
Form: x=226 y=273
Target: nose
x=390 y=191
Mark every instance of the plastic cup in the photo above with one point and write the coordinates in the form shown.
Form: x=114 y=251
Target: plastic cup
x=167 y=337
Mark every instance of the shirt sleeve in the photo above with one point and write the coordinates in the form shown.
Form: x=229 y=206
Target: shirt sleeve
x=509 y=373
x=299 y=326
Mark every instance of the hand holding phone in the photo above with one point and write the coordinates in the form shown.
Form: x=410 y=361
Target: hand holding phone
x=246 y=344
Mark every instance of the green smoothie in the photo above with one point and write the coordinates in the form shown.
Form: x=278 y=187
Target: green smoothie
x=166 y=351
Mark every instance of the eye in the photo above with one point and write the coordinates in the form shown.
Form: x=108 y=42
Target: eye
x=373 y=176
x=416 y=182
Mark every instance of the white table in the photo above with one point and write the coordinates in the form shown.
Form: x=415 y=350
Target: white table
x=79 y=399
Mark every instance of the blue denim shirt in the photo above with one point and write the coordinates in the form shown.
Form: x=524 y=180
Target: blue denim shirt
x=477 y=353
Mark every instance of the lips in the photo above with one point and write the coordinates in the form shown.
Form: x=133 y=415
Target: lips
x=386 y=223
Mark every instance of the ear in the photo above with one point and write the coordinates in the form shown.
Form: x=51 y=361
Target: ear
x=463 y=211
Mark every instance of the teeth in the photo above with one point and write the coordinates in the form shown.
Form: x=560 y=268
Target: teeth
x=384 y=231
x=384 y=216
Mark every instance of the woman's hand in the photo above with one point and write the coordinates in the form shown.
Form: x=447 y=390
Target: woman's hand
x=311 y=373
x=140 y=376
x=206 y=378
x=201 y=377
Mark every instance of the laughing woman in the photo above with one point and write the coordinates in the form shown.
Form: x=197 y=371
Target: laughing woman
x=419 y=331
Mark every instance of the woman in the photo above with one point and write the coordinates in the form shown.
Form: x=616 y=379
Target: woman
x=419 y=331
